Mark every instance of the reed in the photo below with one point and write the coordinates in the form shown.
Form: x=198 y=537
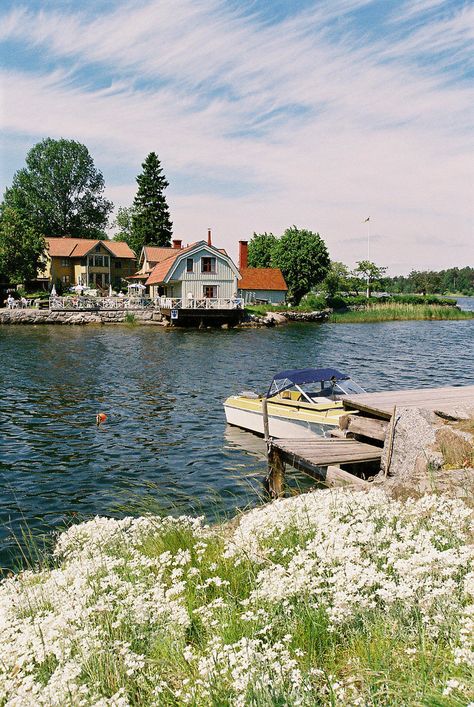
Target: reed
x=400 y=312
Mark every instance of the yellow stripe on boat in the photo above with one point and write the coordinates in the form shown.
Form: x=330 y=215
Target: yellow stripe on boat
x=325 y=413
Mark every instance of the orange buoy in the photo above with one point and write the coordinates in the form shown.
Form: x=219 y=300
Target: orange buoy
x=101 y=417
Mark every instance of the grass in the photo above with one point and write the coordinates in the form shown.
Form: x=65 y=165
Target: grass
x=381 y=655
x=457 y=450
x=406 y=308
x=400 y=312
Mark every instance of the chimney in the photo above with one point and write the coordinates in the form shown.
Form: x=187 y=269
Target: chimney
x=243 y=254
x=209 y=239
x=176 y=244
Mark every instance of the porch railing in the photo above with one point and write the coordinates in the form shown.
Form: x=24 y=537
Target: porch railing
x=204 y=303
x=86 y=302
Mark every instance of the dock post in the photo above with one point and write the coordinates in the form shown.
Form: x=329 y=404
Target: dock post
x=275 y=481
x=266 y=428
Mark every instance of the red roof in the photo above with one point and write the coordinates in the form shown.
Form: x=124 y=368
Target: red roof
x=161 y=269
x=78 y=247
x=155 y=254
x=261 y=279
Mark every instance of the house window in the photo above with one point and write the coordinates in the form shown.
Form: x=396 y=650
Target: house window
x=208 y=265
x=118 y=264
x=189 y=265
x=101 y=261
x=210 y=291
x=65 y=280
x=65 y=262
x=97 y=249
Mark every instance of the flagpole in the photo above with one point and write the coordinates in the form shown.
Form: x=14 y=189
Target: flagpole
x=367 y=221
x=368 y=239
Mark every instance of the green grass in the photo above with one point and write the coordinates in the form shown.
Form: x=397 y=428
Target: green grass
x=399 y=312
x=382 y=655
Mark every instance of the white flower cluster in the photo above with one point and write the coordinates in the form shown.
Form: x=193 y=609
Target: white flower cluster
x=166 y=611
x=55 y=624
x=349 y=552
x=464 y=653
x=98 y=534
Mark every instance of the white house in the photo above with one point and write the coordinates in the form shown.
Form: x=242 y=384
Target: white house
x=199 y=271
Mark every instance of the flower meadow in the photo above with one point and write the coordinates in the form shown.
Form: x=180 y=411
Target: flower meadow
x=328 y=598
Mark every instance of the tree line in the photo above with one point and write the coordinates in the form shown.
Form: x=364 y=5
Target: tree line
x=60 y=193
x=452 y=280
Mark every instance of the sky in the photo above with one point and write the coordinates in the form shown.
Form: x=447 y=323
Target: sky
x=264 y=113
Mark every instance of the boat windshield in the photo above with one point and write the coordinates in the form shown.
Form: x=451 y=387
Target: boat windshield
x=313 y=385
x=350 y=387
x=334 y=390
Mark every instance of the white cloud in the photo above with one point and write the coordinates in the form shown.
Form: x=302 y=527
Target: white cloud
x=320 y=130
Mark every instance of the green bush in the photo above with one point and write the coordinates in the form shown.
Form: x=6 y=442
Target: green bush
x=314 y=301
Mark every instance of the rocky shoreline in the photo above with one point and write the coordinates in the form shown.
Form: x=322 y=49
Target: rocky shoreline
x=81 y=317
x=46 y=316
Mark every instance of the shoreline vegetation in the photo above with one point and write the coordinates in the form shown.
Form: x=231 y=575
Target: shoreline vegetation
x=399 y=312
x=334 y=598
x=357 y=309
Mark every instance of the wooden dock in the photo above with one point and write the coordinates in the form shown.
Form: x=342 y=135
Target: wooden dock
x=360 y=438
x=318 y=458
x=442 y=400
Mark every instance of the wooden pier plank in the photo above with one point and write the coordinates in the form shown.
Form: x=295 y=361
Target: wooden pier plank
x=381 y=404
x=326 y=452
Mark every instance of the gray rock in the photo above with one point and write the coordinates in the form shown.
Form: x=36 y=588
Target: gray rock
x=413 y=445
x=417 y=465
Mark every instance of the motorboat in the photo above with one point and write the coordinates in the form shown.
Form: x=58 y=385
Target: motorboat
x=301 y=403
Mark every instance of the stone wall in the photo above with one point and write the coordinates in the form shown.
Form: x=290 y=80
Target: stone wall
x=45 y=316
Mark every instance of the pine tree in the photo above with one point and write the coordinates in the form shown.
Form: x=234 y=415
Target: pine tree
x=151 y=224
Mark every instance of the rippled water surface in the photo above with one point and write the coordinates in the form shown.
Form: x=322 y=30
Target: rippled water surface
x=165 y=445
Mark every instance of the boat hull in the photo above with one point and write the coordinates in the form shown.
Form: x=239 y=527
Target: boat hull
x=301 y=425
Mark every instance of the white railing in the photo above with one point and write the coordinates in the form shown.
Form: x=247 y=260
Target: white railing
x=86 y=302
x=204 y=303
x=81 y=302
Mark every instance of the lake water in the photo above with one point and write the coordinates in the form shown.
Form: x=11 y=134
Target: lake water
x=165 y=445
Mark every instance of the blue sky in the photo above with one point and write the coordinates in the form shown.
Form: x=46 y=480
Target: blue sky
x=264 y=113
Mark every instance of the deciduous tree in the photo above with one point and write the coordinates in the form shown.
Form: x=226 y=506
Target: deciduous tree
x=21 y=247
x=124 y=223
x=60 y=191
x=260 y=250
x=338 y=279
x=369 y=272
x=303 y=258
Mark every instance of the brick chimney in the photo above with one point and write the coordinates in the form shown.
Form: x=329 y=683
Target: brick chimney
x=177 y=244
x=209 y=239
x=243 y=254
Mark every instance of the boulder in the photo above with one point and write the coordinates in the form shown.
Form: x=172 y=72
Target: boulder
x=427 y=455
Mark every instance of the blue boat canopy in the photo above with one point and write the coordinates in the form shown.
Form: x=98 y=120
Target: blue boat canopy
x=301 y=376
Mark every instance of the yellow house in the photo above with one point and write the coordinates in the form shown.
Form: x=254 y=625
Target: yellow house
x=82 y=261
